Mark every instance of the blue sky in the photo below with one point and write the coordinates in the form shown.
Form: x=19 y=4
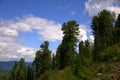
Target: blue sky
x=25 y=24
x=56 y=10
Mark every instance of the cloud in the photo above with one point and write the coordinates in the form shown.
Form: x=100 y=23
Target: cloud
x=47 y=29
x=20 y=26
x=84 y=30
x=91 y=39
x=11 y=50
x=115 y=9
x=26 y=51
x=10 y=47
x=95 y=6
x=8 y=57
x=3 y=44
x=4 y=31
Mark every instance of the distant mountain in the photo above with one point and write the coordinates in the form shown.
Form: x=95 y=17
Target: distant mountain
x=5 y=66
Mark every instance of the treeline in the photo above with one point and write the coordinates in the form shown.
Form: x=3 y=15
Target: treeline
x=106 y=30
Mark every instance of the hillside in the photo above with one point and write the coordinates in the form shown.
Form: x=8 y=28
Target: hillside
x=107 y=69
x=5 y=66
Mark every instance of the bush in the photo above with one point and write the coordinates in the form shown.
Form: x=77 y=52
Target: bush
x=110 y=54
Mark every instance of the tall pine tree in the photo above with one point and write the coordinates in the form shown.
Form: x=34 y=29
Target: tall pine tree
x=42 y=60
x=102 y=26
x=67 y=48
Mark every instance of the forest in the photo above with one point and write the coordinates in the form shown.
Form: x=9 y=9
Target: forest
x=74 y=59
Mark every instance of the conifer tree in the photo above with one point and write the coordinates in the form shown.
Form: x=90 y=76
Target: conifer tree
x=53 y=62
x=14 y=72
x=22 y=71
x=67 y=49
x=102 y=26
x=57 y=57
x=84 y=52
x=117 y=30
x=42 y=60
x=81 y=47
x=19 y=71
x=30 y=75
x=87 y=49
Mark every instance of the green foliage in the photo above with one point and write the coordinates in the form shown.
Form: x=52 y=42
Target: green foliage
x=14 y=71
x=57 y=57
x=53 y=62
x=22 y=70
x=30 y=73
x=42 y=60
x=83 y=61
x=65 y=74
x=81 y=47
x=19 y=70
x=67 y=48
x=85 y=73
x=111 y=54
x=102 y=26
x=84 y=56
x=117 y=30
x=67 y=64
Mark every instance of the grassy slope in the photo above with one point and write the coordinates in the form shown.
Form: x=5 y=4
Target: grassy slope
x=65 y=74
x=107 y=69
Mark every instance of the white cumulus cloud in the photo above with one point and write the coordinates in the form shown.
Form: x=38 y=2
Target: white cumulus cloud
x=27 y=51
x=10 y=47
x=47 y=29
x=115 y=9
x=84 y=30
x=8 y=56
x=4 y=31
x=95 y=6
x=91 y=39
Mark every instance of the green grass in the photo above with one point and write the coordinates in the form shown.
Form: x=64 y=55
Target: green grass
x=65 y=74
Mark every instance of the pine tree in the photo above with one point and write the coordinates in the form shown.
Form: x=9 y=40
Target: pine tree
x=84 y=52
x=53 y=62
x=37 y=63
x=22 y=71
x=105 y=27
x=84 y=57
x=42 y=60
x=14 y=72
x=19 y=70
x=67 y=48
x=96 y=31
x=87 y=49
x=117 y=30
x=81 y=47
x=57 y=57
x=102 y=26
x=30 y=75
